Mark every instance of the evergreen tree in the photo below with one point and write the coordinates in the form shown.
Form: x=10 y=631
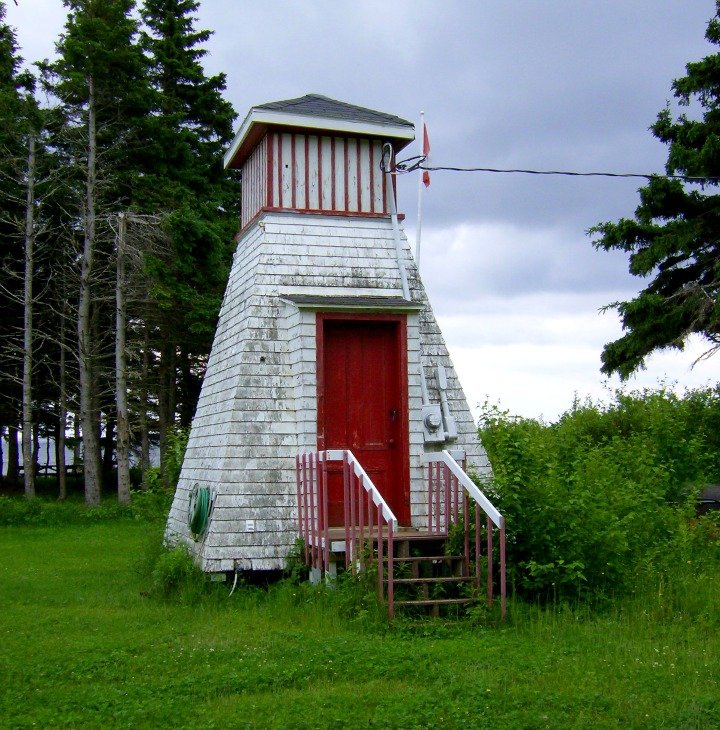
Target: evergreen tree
x=101 y=84
x=674 y=238
x=18 y=120
x=189 y=129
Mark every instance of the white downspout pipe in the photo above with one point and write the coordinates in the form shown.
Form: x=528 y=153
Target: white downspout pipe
x=387 y=160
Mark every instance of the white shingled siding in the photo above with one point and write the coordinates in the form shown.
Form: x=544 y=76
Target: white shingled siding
x=257 y=407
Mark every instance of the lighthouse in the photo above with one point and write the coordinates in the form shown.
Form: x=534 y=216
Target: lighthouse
x=326 y=343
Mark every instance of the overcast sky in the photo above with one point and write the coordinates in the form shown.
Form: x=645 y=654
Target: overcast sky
x=543 y=84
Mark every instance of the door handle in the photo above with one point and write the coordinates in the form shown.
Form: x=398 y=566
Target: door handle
x=393 y=414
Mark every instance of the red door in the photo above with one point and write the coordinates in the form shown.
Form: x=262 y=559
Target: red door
x=362 y=404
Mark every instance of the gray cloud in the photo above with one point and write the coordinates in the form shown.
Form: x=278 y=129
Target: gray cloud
x=568 y=84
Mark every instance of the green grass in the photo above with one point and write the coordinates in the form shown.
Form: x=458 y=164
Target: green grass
x=84 y=646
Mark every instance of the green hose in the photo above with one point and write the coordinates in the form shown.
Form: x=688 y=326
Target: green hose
x=199 y=511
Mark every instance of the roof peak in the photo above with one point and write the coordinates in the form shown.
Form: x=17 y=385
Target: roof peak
x=319 y=105
x=321 y=114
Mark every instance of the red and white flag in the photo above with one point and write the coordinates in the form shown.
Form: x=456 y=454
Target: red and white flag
x=426 y=153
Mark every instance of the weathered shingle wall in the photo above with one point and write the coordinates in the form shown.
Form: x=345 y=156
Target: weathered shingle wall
x=257 y=407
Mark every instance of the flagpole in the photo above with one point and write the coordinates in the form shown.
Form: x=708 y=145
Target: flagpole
x=421 y=185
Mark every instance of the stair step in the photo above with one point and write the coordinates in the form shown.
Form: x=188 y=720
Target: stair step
x=436 y=602
x=440 y=579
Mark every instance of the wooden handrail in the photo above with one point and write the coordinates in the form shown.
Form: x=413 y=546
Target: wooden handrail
x=449 y=480
x=470 y=487
x=360 y=518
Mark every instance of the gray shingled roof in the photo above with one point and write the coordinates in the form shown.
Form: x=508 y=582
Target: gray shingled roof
x=315 y=105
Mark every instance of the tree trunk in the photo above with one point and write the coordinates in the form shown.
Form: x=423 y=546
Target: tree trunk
x=35 y=455
x=144 y=430
x=76 y=440
x=123 y=427
x=166 y=405
x=28 y=322
x=108 y=453
x=62 y=409
x=91 y=447
x=13 y=455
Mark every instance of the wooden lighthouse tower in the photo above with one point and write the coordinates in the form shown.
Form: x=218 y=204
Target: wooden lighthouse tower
x=325 y=341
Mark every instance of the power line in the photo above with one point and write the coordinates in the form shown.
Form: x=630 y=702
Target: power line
x=415 y=163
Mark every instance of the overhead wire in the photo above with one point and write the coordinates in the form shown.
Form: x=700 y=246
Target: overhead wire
x=411 y=164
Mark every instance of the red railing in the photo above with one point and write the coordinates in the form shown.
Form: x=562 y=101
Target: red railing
x=449 y=490
x=368 y=520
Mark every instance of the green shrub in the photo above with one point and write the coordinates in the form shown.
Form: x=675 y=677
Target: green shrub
x=176 y=576
x=598 y=501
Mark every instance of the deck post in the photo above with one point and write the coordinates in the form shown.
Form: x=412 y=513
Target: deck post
x=299 y=498
x=325 y=515
x=430 y=495
x=346 y=506
x=391 y=585
x=381 y=566
x=466 y=535
x=361 y=524
x=437 y=497
x=503 y=588
x=489 y=562
x=446 y=479
x=314 y=552
x=478 y=545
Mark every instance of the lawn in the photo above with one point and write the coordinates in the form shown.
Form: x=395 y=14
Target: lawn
x=83 y=645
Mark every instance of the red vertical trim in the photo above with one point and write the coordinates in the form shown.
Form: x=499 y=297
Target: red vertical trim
x=347 y=175
x=307 y=171
x=269 y=168
x=320 y=173
x=384 y=191
x=332 y=173
x=371 y=153
x=293 y=179
x=280 y=170
x=359 y=174
x=320 y=369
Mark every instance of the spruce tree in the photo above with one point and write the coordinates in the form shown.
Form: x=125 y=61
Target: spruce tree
x=674 y=238
x=18 y=126
x=100 y=81
x=189 y=129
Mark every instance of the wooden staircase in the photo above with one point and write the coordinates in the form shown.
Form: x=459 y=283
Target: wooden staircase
x=413 y=571
x=426 y=579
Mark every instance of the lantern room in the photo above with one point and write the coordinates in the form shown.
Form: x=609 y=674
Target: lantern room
x=314 y=155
